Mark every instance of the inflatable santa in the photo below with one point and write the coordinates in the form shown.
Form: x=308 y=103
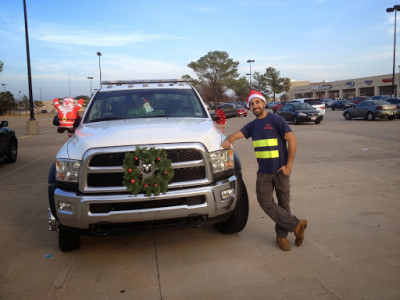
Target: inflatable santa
x=67 y=114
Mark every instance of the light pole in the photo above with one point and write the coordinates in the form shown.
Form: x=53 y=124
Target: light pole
x=394 y=9
x=250 y=61
x=19 y=92
x=4 y=85
x=90 y=78
x=99 y=54
x=28 y=62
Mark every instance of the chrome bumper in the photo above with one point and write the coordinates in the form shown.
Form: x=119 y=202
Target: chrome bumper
x=73 y=210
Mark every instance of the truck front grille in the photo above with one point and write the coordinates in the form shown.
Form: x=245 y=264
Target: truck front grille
x=103 y=172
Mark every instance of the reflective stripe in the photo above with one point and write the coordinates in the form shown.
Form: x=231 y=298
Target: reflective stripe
x=265 y=143
x=267 y=154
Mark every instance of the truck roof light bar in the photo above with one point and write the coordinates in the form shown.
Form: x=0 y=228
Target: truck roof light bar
x=159 y=81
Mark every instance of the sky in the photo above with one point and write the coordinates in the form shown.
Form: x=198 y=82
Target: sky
x=312 y=40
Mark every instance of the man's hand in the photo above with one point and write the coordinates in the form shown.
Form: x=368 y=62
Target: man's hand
x=285 y=170
x=225 y=144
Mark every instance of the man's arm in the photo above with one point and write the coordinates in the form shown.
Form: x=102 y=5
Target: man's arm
x=292 y=145
x=226 y=144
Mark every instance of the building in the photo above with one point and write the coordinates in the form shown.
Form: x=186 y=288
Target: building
x=366 y=86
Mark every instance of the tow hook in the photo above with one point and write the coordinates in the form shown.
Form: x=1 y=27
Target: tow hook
x=196 y=221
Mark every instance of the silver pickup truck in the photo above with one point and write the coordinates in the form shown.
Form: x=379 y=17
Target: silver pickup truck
x=109 y=174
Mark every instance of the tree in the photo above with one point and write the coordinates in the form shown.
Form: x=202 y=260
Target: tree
x=7 y=102
x=1 y=66
x=38 y=105
x=241 y=88
x=216 y=72
x=276 y=83
x=260 y=83
x=24 y=103
x=86 y=99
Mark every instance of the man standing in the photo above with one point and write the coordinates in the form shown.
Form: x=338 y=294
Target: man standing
x=275 y=147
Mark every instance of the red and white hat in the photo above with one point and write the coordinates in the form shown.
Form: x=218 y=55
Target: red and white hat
x=255 y=94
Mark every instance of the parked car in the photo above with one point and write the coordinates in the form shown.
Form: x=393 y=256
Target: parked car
x=380 y=97
x=371 y=109
x=342 y=104
x=316 y=103
x=359 y=99
x=397 y=102
x=43 y=111
x=241 y=110
x=328 y=102
x=278 y=105
x=298 y=112
x=229 y=110
x=8 y=143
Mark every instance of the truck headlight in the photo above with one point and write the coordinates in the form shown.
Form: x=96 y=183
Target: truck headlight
x=222 y=160
x=67 y=170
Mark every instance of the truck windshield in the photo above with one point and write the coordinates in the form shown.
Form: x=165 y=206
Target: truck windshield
x=133 y=104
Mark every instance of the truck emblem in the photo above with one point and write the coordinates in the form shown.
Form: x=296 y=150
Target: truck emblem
x=147 y=170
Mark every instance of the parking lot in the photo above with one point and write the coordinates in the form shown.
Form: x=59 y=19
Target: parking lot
x=345 y=181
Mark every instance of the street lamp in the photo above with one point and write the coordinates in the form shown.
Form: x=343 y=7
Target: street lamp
x=4 y=85
x=394 y=9
x=250 y=61
x=90 y=78
x=99 y=54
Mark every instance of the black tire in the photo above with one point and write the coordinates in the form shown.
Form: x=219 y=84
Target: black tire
x=347 y=116
x=295 y=121
x=318 y=121
x=391 y=118
x=12 y=151
x=238 y=220
x=68 y=239
x=333 y=108
x=370 y=117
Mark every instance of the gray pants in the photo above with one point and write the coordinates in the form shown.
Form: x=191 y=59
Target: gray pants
x=280 y=213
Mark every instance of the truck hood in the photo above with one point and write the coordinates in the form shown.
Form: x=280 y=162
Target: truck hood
x=149 y=131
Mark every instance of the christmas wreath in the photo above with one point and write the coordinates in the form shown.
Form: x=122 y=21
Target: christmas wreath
x=147 y=171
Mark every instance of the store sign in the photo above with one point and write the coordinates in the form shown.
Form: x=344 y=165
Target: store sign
x=350 y=83
x=368 y=81
x=321 y=87
x=387 y=80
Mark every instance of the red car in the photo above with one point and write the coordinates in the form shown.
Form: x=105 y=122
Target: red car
x=278 y=106
x=241 y=110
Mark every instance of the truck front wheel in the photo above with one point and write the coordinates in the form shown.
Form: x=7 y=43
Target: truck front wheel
x=238 y=219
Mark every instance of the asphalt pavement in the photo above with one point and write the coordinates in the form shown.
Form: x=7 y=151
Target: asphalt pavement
x=345 y=182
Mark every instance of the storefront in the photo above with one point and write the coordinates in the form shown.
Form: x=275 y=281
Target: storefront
x=367 y=86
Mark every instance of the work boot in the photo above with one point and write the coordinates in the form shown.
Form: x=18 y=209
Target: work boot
x=299 y=232
x=283 y=243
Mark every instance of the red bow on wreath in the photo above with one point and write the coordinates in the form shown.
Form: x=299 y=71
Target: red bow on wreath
x=221 y=118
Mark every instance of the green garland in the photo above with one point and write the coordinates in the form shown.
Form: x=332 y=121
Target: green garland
x=154 y=182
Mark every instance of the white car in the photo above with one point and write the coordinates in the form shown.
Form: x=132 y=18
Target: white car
x=316 y=103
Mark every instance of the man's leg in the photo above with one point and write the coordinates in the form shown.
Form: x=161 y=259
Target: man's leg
x=282 y=190
x=282 y=217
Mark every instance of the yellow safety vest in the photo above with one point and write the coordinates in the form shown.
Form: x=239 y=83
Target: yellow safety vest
x=266 y=153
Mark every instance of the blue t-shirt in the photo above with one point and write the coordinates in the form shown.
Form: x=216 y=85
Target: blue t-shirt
x=269 y=145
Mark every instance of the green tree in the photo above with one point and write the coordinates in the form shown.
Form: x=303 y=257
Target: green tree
x=259 y=83
x=217 y=73
x=38 y=105
x=241 y=88
x=1 y=66
x=7 y=102
x=275 y=82
x=24 y=103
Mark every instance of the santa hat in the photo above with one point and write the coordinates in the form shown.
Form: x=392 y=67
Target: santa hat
x=255 y=94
